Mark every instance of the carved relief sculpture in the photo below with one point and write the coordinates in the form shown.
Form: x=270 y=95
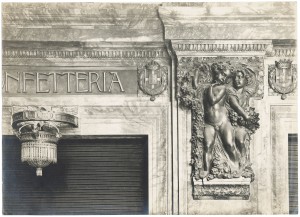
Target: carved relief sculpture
x=153 y=79
x=218 y=90
x=283 y=77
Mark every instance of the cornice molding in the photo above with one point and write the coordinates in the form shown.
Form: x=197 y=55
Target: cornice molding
x=84 y=50
x=284 y=52
x=148 y=50
x=90 y=54
x=232 y=47
x=221 y=46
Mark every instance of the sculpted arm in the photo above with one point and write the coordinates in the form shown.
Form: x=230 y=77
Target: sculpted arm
x=214 y=96
x=195 y=80
x=236 y=106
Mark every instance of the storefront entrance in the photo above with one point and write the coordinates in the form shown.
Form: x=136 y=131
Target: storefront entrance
x=93 y=176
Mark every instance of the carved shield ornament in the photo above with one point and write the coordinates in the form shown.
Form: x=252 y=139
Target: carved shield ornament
x=153 y=79
x=283 y=77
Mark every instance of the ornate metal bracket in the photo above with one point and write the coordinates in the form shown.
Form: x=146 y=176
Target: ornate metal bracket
x=38 y=131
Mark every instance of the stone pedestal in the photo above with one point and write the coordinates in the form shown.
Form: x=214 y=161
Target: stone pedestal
x=220 y=189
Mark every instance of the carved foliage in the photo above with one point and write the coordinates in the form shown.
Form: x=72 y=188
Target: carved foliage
x=221 y=192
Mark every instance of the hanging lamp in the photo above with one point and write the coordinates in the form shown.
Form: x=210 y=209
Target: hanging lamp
x=38 y=131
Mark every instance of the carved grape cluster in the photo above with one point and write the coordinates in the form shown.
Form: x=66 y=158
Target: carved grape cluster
x=220 y=169
x=252 y=124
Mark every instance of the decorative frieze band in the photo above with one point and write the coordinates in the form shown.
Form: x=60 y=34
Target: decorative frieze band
x=222 y=46
x=199 y=47
x=284 y=52
x=92 y=54
x=213 y=47
x=262 y=47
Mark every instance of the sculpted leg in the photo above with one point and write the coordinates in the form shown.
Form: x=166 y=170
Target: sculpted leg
x=227 y=136
x=209 y=140
x=240 y=138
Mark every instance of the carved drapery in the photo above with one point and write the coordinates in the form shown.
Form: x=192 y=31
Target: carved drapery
x=38 y=131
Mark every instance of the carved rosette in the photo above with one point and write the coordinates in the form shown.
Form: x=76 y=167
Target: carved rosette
x=283 y=77
x=152 y=79
x=38 y=131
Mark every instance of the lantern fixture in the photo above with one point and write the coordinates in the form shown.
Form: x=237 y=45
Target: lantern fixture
x=38 y=131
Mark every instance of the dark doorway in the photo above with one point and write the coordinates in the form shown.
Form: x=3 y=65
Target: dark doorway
x=293 y=173
x=92 y=176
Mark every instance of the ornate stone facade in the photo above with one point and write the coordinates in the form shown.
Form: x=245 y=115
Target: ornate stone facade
x=202 y=81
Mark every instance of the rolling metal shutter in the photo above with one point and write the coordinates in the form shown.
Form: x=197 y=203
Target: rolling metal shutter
x=92 y=176
x=293 y=173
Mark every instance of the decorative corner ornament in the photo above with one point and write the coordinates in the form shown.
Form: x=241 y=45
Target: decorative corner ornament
x=283 y=77
x=153 y=79
x=38 y=131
